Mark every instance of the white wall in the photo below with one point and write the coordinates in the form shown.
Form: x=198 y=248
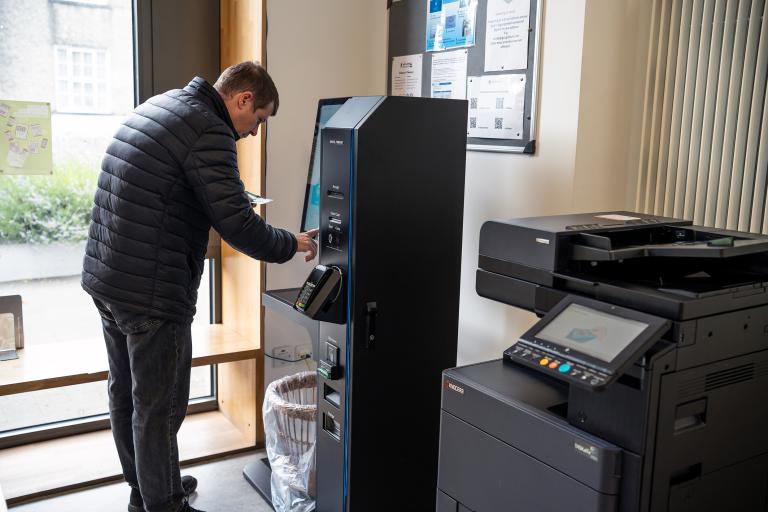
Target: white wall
x=590 y=92
x=314 y=50
x=514 y=185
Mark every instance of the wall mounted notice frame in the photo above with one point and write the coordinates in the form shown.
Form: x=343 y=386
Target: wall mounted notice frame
x=408 y=36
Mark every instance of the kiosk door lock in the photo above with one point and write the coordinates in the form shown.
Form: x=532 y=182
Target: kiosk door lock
x=370 y=324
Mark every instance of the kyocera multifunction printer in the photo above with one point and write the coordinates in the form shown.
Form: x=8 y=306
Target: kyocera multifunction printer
x=643 y=386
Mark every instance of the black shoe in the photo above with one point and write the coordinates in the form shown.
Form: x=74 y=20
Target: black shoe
x=188 y=508
x=136 y=504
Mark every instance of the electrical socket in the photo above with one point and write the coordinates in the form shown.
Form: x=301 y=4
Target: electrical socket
x=304 y=351
x=284 y=352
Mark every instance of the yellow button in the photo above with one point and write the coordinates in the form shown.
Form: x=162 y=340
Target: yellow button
x=544 y=362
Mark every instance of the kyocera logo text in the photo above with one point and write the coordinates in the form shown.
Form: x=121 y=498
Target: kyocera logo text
x=454 y=387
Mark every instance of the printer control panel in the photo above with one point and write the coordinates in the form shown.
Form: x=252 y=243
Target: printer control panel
x=587 y=342
x=558 y=366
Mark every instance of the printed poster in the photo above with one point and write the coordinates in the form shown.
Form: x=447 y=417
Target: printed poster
x=506 y=35
x=449 y=74
x=450 y=24
x=406 y=75
x=25 y=137
x=496 y=106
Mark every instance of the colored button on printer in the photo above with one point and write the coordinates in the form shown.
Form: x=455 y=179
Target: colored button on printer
x=544 y=361
x=564 y=368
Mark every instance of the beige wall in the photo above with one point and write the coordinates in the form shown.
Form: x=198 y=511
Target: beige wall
x=610 y=105
x=314 y=50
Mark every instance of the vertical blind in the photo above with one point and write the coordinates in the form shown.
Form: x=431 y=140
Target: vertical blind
x=704 y=142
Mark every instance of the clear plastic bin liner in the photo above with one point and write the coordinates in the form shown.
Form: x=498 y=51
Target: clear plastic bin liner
x=290 y=412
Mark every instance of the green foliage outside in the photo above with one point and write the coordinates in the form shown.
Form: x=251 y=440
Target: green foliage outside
x=44 y=209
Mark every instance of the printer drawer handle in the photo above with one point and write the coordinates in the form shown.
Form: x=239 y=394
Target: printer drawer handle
x=575 y=279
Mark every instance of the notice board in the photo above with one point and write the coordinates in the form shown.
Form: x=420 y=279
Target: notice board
x=408 y=35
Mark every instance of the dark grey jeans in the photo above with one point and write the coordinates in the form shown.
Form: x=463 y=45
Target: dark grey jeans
x=150 y=360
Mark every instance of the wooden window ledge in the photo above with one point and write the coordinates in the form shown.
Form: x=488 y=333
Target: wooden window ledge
x=37 y=470
x=64 y=364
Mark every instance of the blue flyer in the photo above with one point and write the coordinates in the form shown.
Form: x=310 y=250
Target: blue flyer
x=450 y=24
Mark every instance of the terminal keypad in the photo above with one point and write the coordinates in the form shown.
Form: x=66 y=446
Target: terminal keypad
x=303 y=298
x=556 y=365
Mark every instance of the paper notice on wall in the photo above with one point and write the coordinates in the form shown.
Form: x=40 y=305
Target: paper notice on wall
x=506 y=35
x=25 y=147
x=449 y=75
x=450 y=24
x=496 y=106
x=406 y=75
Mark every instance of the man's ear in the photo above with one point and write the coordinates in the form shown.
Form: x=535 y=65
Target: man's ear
x=244 y=98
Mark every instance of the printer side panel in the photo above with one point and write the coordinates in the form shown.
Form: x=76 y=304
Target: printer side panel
x=719 y=405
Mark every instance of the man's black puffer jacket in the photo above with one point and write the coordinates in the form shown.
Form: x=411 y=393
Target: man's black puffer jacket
x=168 y=175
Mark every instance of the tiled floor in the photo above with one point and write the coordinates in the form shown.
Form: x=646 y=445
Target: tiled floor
x=221 y=487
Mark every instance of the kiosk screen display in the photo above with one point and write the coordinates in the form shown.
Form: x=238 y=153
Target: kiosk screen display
x=591 y=332
x=311 y=218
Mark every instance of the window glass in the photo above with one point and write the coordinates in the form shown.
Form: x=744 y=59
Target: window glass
x=79 y=57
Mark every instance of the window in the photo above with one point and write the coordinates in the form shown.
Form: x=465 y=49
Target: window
x=44 y=219
x=82 y=80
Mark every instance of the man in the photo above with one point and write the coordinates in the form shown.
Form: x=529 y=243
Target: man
x=169 y=174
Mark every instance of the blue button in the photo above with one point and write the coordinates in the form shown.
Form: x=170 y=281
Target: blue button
x=564 y=368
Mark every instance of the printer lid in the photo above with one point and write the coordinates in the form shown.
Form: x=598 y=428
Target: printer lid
x=591 y=222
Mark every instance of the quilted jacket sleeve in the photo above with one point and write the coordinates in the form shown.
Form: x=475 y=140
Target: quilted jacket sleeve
x=211 y=171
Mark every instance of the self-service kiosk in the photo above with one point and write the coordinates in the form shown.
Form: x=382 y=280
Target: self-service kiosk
x=385 y=296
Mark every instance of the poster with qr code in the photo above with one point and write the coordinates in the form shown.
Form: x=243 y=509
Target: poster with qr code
x=496 y=106
x=25 y=145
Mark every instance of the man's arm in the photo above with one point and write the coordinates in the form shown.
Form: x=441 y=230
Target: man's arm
x=211 y=170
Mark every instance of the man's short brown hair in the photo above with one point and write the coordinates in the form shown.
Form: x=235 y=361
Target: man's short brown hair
x=249 y=76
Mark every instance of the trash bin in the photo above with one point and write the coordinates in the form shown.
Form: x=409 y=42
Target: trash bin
x=290 y=412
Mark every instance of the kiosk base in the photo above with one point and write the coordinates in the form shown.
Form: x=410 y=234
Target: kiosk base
x=259 y=475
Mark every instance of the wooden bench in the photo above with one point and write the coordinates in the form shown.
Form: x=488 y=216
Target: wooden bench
x=64 y=364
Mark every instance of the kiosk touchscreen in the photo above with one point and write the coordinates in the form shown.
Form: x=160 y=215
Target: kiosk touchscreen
x=310 y=218
x=587 y=342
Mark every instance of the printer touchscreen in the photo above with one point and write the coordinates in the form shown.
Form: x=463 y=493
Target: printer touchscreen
x=592 y=332
x=587 y=342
